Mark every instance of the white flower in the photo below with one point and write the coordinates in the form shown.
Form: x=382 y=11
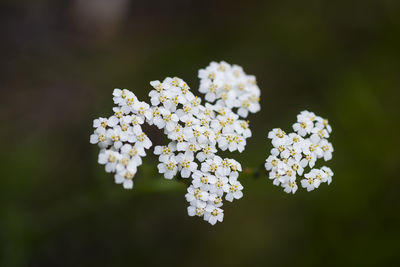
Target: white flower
x=304 y=125
x=134 y=152
x=295 y=140
x=313 y=180
x=235 y=191
x=273 y=163
x=329 y=174
x=143 y=140
x=209 y=88
x=295 y=151
x=119 y=96
x=318 y=134
x=170 y=119
x=235 y=168
x=279 y=137
x=143 y=110
x=204 y=181
x=104 y=122
x=276 y=175
x=290 y=186
x=214 y=165
x=197 y=209
x=242 y=128
x=215 y=200
x=221 y=186
x=126 y=100
x=157 y=118
x=186 y=164
x=100 y=137
x=110 y=159
x=295 y=166
x=136 y=121
x=213 y=214
x=196 y=195
x=327 y=149
x=115 y=135
x=169 y=168
x=165 y=151
x=289 y=175
x=125 y=177
x=323 y=123
x=126 y=164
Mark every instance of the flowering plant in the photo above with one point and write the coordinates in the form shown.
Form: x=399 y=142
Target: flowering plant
x=195 y=134
x=293 y=152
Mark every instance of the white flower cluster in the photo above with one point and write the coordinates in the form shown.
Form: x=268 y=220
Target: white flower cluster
x=121 y=138
x=231 y=87
x=195 y=132
x=294 y=152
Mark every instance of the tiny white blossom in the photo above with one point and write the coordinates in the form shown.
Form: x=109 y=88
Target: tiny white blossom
x=169 y=168
x=186 y=164
x=313 y=180
x=235 y=191
x=213 y=214
x=110 y=159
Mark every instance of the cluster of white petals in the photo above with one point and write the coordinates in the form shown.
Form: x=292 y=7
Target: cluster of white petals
x=121 y=139
x=294 y=152
x=195 y=132
x=231 y=87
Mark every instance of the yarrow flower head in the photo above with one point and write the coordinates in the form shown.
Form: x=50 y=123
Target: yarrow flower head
x=231 y=87
x=294 y=152
x=195 y=132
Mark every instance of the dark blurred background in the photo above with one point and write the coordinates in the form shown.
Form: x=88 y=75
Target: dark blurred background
x=60 y=60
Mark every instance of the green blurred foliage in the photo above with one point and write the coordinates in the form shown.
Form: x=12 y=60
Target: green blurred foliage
x=60 y=61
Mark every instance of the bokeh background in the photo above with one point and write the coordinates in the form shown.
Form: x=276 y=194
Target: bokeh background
x=60 y=60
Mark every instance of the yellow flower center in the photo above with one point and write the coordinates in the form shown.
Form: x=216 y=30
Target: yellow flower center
x=128 y=175
x=130 y=101
x=199 y=211
x=213 y=88
x=119 y=114
x=274 y=162
x=133 y=152
x=125 y=161
x=175 y=82
x=227 y=87
x=112 y=158
x=213 y=167
x=171 y=166
x=159 y=87
x=102 y=138
x=142 y=137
